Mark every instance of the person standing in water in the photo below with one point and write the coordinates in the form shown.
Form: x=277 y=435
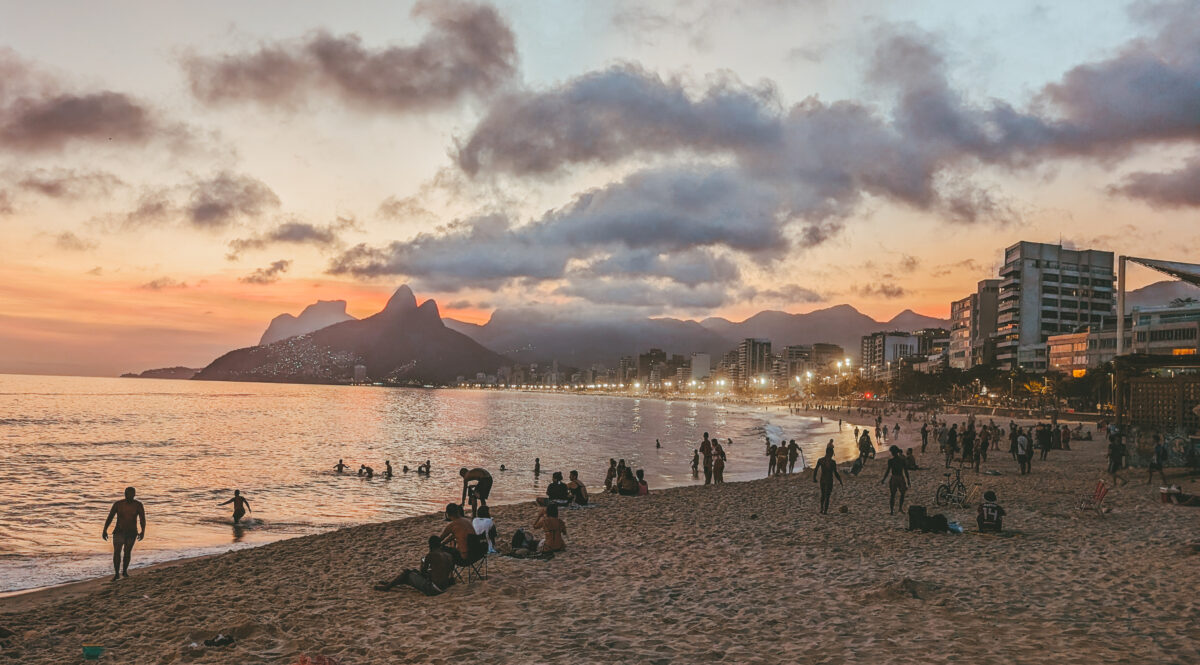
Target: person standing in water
x=388 y=472
x=657 y=444
x=793 y=455
x=130 y=513
x=537 y=466
x=898 y=470
x=240 y=505
x=827 y=470
x=695 y=464
x=706 y=449
x=341 y=466
x=478 y=492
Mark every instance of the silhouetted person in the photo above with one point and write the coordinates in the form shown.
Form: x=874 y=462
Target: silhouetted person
x=387 y=472
x=898 y=471
x=478 y=492
x=706 y=449
x=537 y=466
x=341 y=466
x=434 y=576
x=240 y=505
x=130 y=513
x=828 y=471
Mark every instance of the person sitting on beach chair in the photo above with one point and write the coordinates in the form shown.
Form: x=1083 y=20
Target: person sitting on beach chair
x=557 y=493
x=553 y=529
x=991 y=516
x=433 y=578
x=456 y=534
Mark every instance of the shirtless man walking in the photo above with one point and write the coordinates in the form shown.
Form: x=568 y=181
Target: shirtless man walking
x=129 y=513
x=827 y=470
x=240 y=505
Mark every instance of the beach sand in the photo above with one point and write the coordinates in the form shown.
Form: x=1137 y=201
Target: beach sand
x=740 y=573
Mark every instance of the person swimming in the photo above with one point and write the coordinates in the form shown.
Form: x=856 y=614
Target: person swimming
x=240 y=505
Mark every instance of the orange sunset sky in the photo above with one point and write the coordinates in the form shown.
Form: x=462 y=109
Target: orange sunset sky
x=173 y=176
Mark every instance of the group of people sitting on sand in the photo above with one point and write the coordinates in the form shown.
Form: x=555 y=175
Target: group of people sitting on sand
x=623 y=480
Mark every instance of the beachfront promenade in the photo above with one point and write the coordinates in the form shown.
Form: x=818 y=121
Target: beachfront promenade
x=742 y=572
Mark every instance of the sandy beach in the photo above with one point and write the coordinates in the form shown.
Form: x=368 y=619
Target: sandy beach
x=743 y=572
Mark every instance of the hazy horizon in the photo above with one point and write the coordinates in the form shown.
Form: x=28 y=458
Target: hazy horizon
x=174 y=176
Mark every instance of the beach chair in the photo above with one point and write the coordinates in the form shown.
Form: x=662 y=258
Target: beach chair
x=1095 y=499
x=475 y=565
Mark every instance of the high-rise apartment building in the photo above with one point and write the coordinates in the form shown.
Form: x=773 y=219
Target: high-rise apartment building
x=753 y=360
x=1047 y=290
x=882 y=351
x=972 y=324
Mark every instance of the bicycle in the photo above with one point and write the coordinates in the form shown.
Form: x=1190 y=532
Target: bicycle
x=951 y=492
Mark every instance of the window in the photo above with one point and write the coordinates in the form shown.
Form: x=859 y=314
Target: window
x=1070 y=279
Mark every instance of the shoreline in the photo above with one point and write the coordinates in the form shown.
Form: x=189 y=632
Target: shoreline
x=688 y=570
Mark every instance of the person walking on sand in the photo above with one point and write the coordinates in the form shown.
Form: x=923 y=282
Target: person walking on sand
x=1116 y=458
x=1024 y=452
x=793 y=451
x=898 y=470
x=924 y=437
x=826 y=469
x=772 y=451
x=240 y=505
x=130 y=513
x=781 y=457
x=1159 y=461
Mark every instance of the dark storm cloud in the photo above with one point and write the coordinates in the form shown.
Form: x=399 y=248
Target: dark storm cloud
x=636 y=292
x=469 y=50
x=69 y=183
x=1173 y=189
x=226 y=197
x=37 y=115
x=269 y=275
x=652 y=222
x=295 y=233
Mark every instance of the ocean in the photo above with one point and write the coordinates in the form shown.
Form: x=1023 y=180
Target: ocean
x=70 y=445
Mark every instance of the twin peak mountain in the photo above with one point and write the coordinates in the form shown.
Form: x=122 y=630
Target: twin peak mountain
x=407 y=343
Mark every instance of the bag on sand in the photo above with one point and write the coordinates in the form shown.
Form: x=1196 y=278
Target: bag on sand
x=521 y=540
x=916 y=517
x=919 y=520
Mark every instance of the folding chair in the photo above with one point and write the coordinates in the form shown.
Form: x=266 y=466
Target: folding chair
x=1095 y=500
x=476 y=563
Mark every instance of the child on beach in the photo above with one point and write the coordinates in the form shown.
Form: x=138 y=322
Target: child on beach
x=991 y=515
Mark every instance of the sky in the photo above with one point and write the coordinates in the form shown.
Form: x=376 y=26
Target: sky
x=174 y=175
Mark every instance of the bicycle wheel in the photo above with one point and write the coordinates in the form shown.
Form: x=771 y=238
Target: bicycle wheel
x=959 y=495
x=943 y=495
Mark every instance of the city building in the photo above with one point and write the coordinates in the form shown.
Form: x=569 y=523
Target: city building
x=882 y=350
x=360 y=373
x=754 y=360
x=648 y=365
x=701 y=366
x=826 y=355
x=1048 y=290
x=1161 y=331
x=972 y=325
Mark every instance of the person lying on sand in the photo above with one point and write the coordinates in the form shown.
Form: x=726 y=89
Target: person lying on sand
x=553 y=528
x=434 y=577
x=240 y=505
x=129 y=513
x=991 y=515
x=480 y=491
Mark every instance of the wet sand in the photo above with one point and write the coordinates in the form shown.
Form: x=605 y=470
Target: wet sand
x=744 y=572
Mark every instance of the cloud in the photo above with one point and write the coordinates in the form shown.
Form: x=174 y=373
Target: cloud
x=69 y=183
x=227 y=197
x=1172 y=189
x=403 y=209
x=909 y=263
x=786 y=293
x=70 y=242
x=268 y=275
x=469 y=50
x=6 y=204
x=881 y=290
x=95 y=272
x=651 y=223
x=295 y=233
x=38 y=115
x=211 y=203
x=163 y=283
x=635 y=292
x=468 y=304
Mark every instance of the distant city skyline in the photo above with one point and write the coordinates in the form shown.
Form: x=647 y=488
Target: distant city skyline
x=174 y=176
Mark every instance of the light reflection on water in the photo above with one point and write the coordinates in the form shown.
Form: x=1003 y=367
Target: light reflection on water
x=70 y=445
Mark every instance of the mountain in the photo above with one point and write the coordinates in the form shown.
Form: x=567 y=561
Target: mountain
x=403 y=343
x=1160 y=293
x=541 y=335
x=163 y=373
x=320 y=314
